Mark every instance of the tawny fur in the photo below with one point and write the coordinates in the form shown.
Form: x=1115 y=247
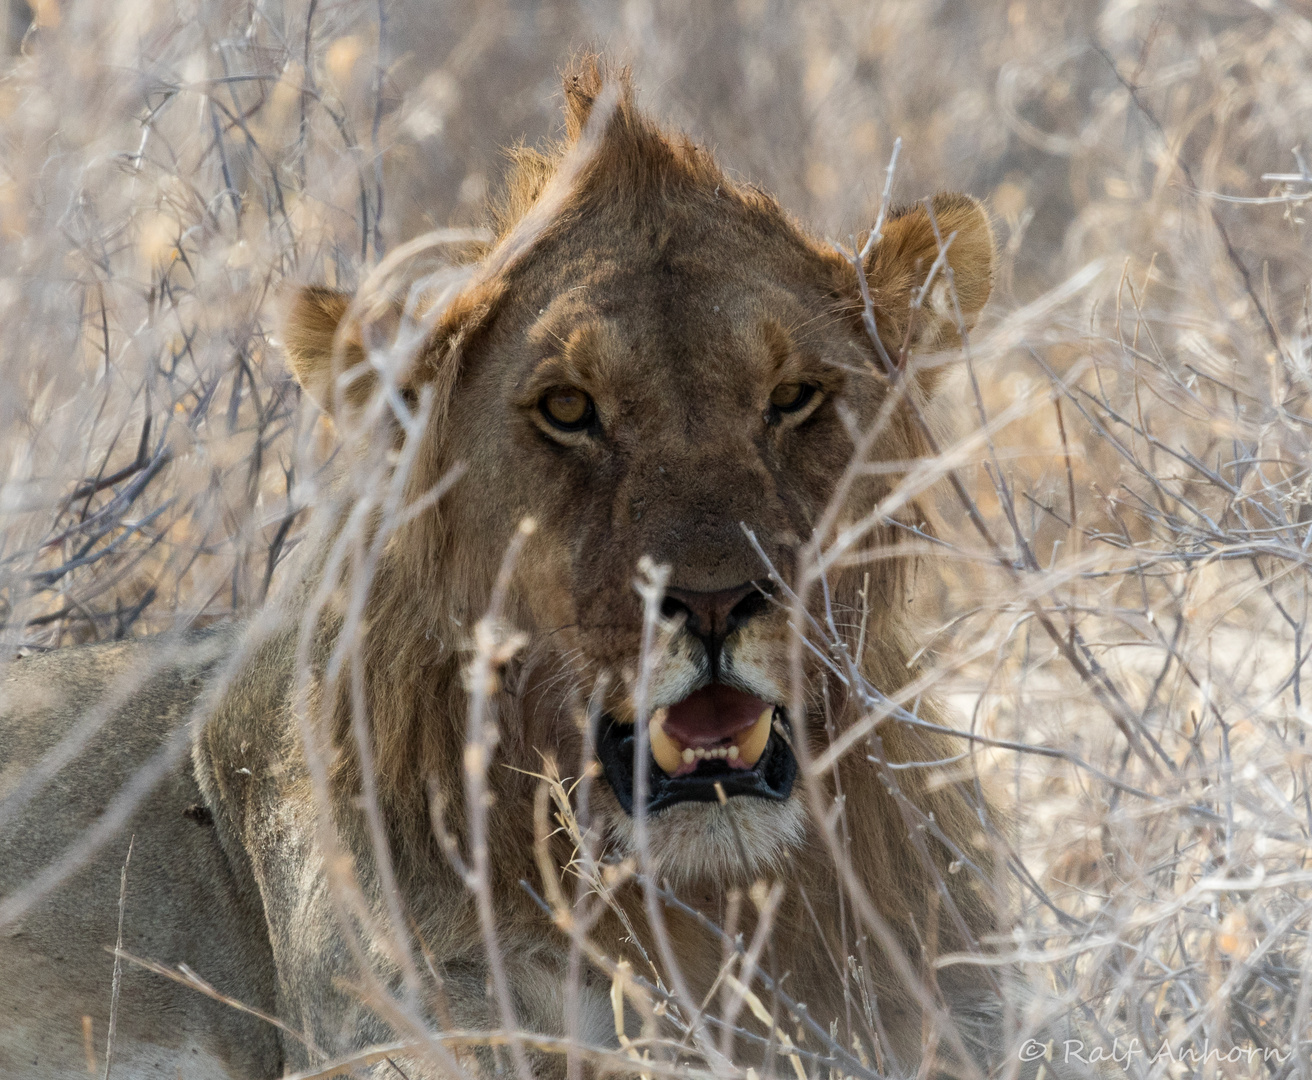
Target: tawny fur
x=678 y=299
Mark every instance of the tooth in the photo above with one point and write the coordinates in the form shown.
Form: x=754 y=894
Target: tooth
x=688 y=756
x=700 y=752
x=752 y=745
x=664 y=749
x=732 y=753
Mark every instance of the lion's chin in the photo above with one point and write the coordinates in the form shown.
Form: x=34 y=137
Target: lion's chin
x=695 y=843
x=716 y=814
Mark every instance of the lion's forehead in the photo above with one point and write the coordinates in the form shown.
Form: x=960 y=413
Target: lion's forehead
x=633 y=298
x=673 y=353
x=639 y=270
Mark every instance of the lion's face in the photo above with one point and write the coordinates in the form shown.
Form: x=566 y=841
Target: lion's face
x=674 y=377
x=658 y=408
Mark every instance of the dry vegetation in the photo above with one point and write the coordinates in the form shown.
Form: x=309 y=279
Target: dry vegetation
x=1120 y=606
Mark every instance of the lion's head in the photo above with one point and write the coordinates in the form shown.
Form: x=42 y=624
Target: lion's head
x=652 y=361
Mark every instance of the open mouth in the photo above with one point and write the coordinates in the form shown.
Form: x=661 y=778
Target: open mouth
x=716 y=737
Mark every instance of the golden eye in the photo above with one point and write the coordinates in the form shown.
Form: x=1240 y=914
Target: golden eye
x=791 y=396
x=567 y=408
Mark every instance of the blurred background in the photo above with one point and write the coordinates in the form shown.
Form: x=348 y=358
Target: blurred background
x=167 y=166
x=1141 y=375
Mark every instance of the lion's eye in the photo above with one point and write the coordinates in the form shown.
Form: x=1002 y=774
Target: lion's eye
x=792 y=396
x=567 y=408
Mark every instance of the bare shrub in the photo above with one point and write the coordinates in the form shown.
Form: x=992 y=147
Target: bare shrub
x=1121 y=516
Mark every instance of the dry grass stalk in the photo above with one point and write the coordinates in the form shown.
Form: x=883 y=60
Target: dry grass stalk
x=1120 y=501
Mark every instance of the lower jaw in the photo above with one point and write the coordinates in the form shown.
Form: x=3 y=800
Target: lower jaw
x=771 y=778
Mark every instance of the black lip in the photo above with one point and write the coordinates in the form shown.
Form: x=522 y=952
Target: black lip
x=772 y=777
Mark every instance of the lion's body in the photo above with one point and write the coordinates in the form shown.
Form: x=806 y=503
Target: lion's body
x=227 y=877
x=679 y=300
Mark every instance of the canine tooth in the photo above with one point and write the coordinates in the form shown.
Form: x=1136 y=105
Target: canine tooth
x=688 y=756
x=664 y=749
x=752 y=745
x=732 y=753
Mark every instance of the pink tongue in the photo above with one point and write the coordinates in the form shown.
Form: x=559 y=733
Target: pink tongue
x=712 y=715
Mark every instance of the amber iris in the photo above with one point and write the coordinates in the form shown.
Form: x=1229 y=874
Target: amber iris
x=567 y=408
x=789 y=397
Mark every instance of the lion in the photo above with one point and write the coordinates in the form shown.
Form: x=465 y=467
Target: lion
x=298 y=836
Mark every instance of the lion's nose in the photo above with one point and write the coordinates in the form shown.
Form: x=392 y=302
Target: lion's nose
x=713 y=616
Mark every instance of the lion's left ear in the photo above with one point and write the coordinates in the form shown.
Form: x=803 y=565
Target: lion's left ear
x=899 y=266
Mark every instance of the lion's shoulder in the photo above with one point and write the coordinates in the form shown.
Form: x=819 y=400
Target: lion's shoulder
x=94 y=763
x=133 y=686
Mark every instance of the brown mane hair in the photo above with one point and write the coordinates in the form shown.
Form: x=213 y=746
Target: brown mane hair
x=614 y=161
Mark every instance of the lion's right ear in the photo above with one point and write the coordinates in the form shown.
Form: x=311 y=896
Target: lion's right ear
x=310 y=338
x=324 y=341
